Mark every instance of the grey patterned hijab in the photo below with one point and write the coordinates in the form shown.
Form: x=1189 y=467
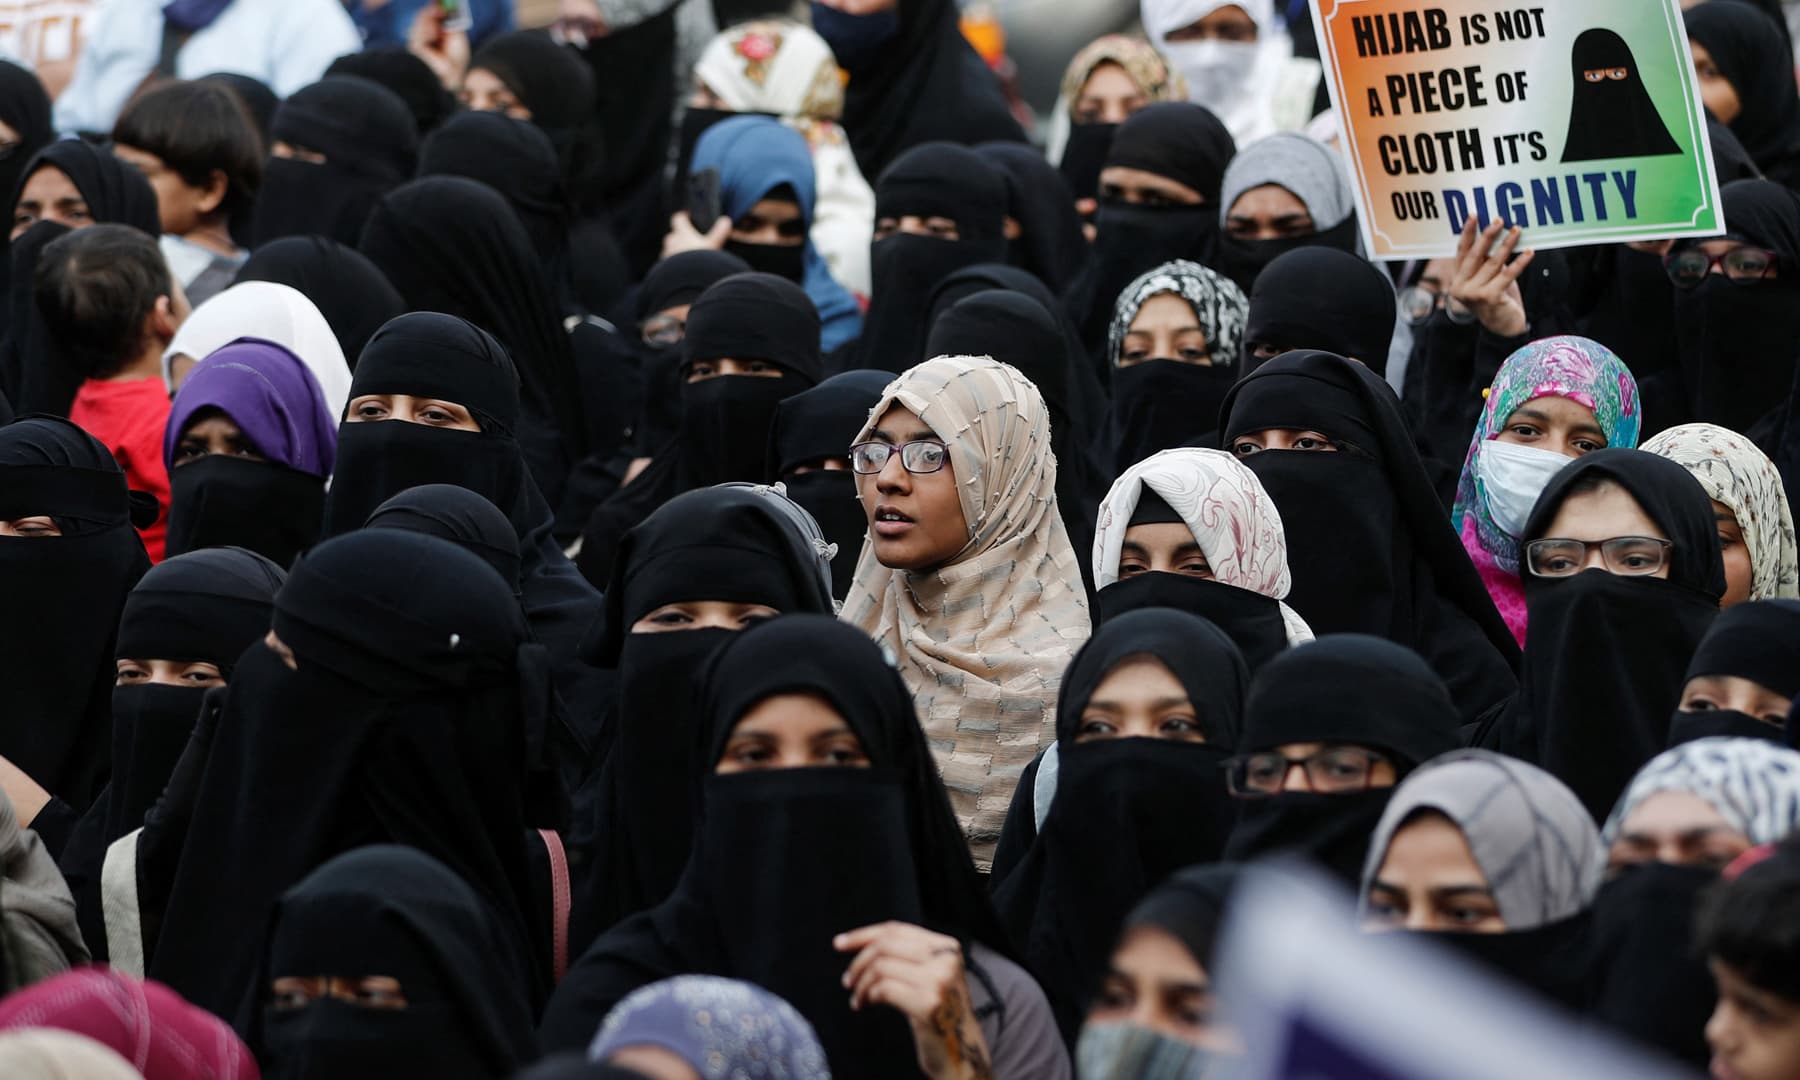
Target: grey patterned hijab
x=724 y=1029
x=1752 y=783
x=1528 y=832
x=1220 y=304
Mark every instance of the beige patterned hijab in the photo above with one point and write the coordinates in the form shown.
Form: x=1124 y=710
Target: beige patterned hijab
x=1734 y=472
x=983 y=640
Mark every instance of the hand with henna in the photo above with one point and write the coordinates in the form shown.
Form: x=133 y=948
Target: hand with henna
x=921 y=974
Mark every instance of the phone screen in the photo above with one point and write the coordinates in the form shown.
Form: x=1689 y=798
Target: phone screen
x=456 y=16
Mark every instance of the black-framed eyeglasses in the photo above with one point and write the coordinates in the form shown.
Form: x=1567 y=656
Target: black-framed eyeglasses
x=664 y=331
x=1743 y=265
x=917 y=457
x=1626 y=556
x=1334 y=770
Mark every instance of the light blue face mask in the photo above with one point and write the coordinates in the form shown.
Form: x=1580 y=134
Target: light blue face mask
x=1129 y=1052
x=1511 y=477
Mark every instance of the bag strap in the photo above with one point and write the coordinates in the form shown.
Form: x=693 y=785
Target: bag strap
x=119 y=905
x=560 y=901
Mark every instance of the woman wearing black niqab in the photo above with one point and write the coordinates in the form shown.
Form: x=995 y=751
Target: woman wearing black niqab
x=1752 y=642
x=409 y=714
x=557 y=90
x=453 y=245
x=425 y=355
x=1129 y=809
x=1050 y=243
x=1349 y=691
x=25 y=108
x=1604 y=662
x=737 y=545
x=1611 y=114
x=368 y=144
x=1320 y=298
x=389 y=915
x=349 y=290
x=68 y=557
x=1370 y=546
x=745 y=351
x=786 y=857
x=665 y=295
x=936 y=180
x=815 y=426
x=1749 y=53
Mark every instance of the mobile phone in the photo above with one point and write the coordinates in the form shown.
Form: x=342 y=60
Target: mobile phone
x=703 y=199
x=456 y=16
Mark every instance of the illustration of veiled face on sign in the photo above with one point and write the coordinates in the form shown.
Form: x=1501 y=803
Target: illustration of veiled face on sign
x=1611 y=114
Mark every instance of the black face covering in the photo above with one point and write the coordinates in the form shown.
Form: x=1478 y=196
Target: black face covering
x=377 y=460
x=1653 y=989
x=393 y=912
x=1162 y=404
x=1128 y=812
x=1688 y=726
x=1243 y=260
x=786 y=261
x=1611 y=117
x=1252 y=621
x=724 y=421
x=1330 y=830
x=370 y=144
x=221 y=501
x=1554 y=961
x=1321 y=297
x=1084 y=156
x=1133 y=240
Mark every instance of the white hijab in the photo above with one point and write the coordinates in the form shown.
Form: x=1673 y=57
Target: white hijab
x=1242 y=83
x=278 y=313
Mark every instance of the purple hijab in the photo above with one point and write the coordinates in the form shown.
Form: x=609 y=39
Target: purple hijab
x=267 y=391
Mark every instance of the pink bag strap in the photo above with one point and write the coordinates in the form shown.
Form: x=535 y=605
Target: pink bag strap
x=560 y=901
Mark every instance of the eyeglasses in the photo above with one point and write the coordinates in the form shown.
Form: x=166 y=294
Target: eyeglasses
x=1741 y=264
x=664 y=331
x=1417 y=303
x=917 y=457
x=1331 y=771
x=1627 y=556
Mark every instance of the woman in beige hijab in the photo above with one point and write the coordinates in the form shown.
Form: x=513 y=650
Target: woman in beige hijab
x=968 y=575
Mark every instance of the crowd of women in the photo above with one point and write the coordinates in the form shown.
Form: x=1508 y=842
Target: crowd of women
x=584 y=557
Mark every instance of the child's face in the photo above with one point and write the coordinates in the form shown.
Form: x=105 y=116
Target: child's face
x=1754 y=1034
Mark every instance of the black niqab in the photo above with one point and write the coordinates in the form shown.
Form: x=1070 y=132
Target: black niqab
x=409 y=719
x=1253 y=621
x=1654 y=986
x=785 y=859
x=1346 y=689
x=1128 y=812
x=349 y=290
x=820 y=423
x=1604 y=661
x=392 y=911
x=1322 y=298
x=67 y=592
x=1752 y=54
x=1051 y=245
x=1611 y=117
x=370 y=145
x=1369 y=544
x=558 y=89
x=1755 y=641
x=677 y=281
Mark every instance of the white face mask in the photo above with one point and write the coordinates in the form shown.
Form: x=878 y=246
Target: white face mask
x=1511 y=479
x=1218 y=73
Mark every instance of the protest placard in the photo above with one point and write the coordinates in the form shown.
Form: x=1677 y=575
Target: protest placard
x=1580 y=122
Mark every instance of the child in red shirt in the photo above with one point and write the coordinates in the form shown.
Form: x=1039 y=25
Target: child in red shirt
x=111 y=306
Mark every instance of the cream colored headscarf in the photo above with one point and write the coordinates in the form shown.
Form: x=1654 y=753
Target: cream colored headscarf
x=1734 y=472
x=1224 y=505
x=983 y=640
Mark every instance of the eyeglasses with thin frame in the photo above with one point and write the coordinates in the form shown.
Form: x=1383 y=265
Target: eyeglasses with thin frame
x=1626 y=556
x=664 y=331
x=923 y=456
x=1417 y=303
x=1742 y=265
x=1335 y=770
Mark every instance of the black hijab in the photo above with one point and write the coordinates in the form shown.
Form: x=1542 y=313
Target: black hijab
x=203 y=606
x=259 y=100
x=1753 y=55
x=914 y=79
x=676 y=281
x=408 y=77
x=68 y=591
x=820 y=423
x=349 y=290
x=1370 y=546
x=432 y=355
x=551 y=81
x=933 y=180
x=1128 y=812
x=1346 y=689
x=1322 y=298
x=392 y=911
x=24 y=107
x=460 y=516
x=731 y=543
x=723 y=433
x=785 y=859
x=1015 y=329
x=370 y=145
x=1611 y=118
x=1754 y=641
x=1604 y=661
x=453 y=245
x=1738 y=342
x=1051 y=244
x=1174 y=139
x=410 y=718
x=116 y=193
x=1190 y=907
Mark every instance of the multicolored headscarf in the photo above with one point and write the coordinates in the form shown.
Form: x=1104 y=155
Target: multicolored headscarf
x=1734 y=472
x=1221 y=306
x=1582 y=370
